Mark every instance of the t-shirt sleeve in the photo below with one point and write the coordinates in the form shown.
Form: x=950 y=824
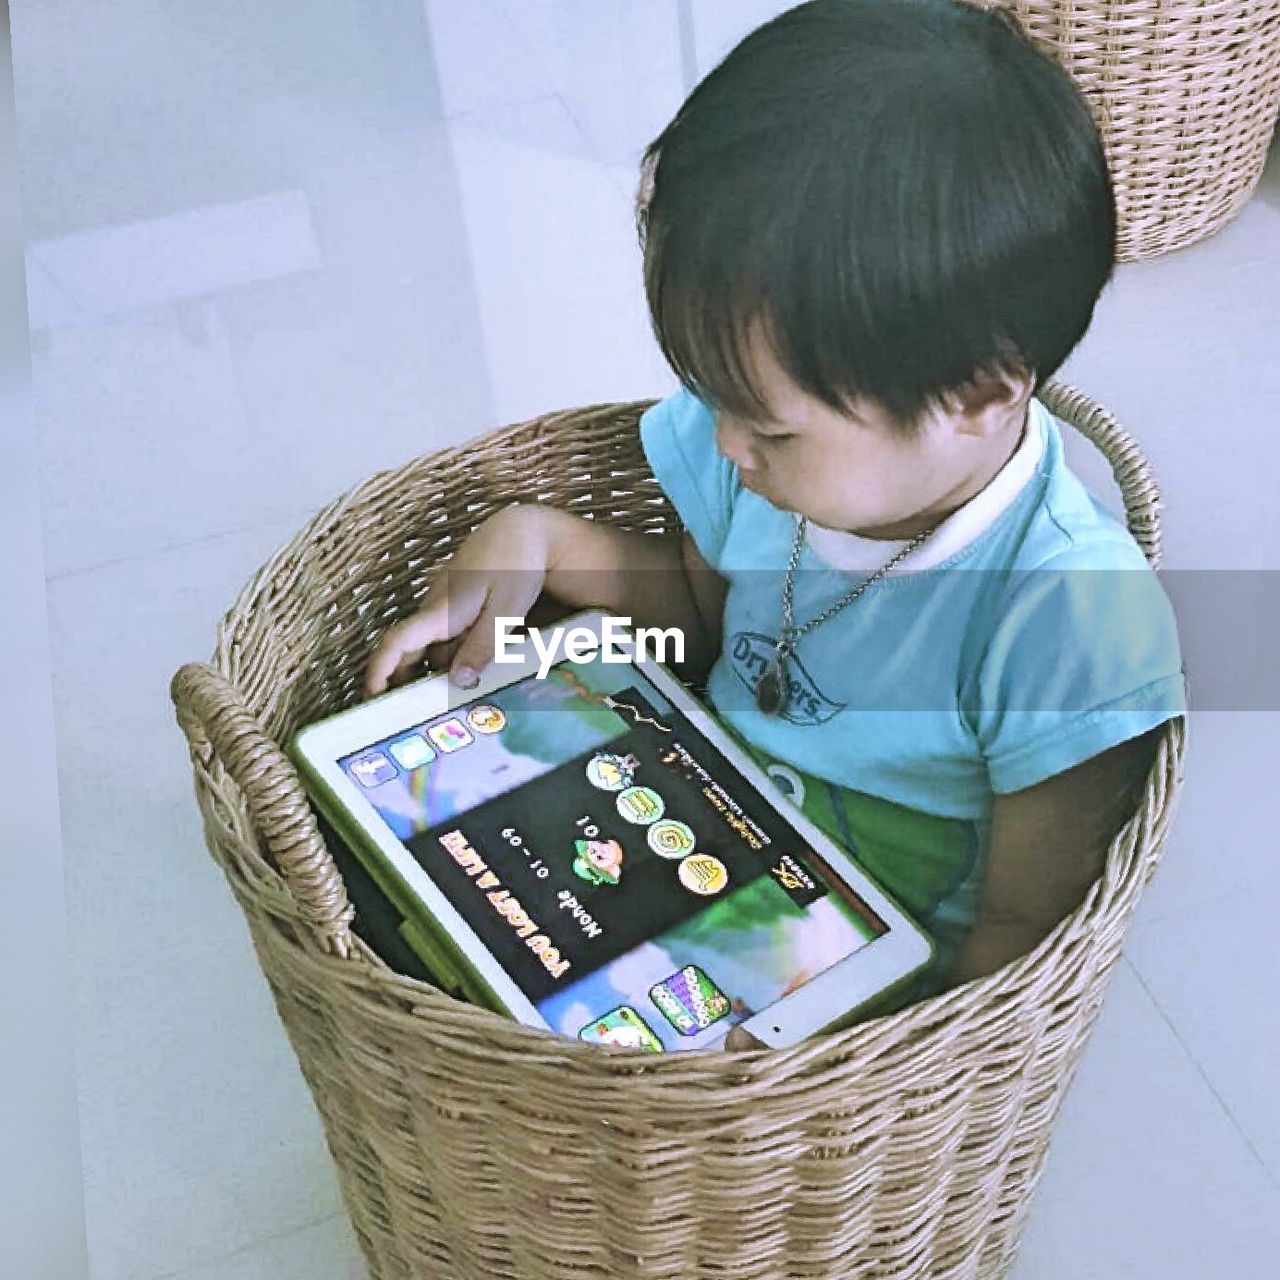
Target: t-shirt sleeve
x=1085 y=656
x=678 y=436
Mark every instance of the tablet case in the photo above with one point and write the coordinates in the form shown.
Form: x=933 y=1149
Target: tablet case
x=403 y=944
x=377 y=920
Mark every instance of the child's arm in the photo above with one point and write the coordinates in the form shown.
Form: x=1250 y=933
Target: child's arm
x=510 y=560
x=1048 y=845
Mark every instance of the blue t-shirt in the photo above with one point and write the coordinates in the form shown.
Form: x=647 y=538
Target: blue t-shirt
x=1041 y=642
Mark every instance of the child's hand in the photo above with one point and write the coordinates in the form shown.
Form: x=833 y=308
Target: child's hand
x=503 y=568
x=499 y=571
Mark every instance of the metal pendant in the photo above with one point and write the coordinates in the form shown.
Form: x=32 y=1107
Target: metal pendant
x=770 y=692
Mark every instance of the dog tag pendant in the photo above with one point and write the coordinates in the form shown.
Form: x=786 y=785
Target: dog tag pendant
x=769 y=692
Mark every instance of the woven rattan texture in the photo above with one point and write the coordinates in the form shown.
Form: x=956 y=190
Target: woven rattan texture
x=1186 y=94
x=470 y=1147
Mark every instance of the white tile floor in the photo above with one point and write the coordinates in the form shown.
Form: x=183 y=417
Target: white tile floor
x=442 y=241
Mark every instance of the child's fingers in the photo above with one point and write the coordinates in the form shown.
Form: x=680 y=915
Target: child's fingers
x=462 y=620
x=400 y=648
x=404 y=646
x=439 y=657
x=411 y=664
x=512 y=598
x=477 y=648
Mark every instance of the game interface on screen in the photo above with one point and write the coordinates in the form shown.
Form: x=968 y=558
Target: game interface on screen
x=592 y=838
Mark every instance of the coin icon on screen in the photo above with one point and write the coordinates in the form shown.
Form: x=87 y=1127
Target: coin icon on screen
x=671 y=839
x=703 y=874
x=486 y=718
x=641 y=805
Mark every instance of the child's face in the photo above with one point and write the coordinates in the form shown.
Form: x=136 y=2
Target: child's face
x=863 y=473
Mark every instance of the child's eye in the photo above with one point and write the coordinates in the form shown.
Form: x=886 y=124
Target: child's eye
x=768 y=434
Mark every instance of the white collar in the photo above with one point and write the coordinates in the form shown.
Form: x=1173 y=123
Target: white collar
x=852 y=553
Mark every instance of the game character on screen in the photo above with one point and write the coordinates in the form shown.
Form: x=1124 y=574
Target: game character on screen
x=599 y=861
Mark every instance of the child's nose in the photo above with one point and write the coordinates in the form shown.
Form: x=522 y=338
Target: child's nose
x=734 y=444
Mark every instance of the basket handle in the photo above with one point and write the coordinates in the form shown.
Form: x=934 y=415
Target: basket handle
x=1129 y=466
x=213 y=715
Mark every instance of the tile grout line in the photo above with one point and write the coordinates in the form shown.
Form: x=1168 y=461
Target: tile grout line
x=1204 y=1075
x=688 y=44
x=185 y=544
x=1168 y=914
x=249 y=1246
x=590 y=150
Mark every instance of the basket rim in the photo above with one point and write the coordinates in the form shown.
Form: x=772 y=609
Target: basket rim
x=209 y=701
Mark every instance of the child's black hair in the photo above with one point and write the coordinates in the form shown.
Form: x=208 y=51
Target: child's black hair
x=905 y=193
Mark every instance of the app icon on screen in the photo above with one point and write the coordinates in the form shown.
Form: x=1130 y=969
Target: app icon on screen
x=486 y=718
x=450 y=735
x=703 y=874
x=690 y=1001
x=612 y=772
x=373 y=770
x=412 y=752
x=641 y=805
x=623 y=1028
x=671 y=839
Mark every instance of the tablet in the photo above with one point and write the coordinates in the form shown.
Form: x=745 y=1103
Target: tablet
x=578 y=844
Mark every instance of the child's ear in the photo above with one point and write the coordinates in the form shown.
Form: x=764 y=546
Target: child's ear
x=985 y=405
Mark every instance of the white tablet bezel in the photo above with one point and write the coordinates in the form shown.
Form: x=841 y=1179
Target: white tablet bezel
x=822 y=1002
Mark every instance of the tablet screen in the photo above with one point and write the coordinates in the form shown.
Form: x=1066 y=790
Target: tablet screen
x=615 y=863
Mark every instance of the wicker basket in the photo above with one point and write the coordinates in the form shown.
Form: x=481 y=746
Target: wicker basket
x=468 y=1146
x=1186 y=93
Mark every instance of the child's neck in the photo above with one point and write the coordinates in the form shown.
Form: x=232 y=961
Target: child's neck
x=951 y=502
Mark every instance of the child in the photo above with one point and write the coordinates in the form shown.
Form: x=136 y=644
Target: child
x=870 y=235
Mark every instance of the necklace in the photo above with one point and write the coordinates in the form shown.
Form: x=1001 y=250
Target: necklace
x=771 y=692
